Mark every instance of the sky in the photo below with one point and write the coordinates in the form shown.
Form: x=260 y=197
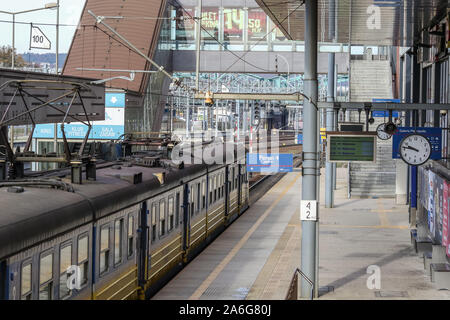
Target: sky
x=70 y=12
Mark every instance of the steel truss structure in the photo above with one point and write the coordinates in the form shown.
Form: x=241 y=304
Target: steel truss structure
x=65 y=89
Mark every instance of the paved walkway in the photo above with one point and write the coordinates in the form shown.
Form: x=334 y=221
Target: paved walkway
x=256 y=256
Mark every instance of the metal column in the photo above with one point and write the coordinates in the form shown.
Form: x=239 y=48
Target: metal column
x=308 y=254
x=199 y=42
x=329 y=172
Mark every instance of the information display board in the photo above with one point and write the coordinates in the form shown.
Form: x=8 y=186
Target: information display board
x=351 y=147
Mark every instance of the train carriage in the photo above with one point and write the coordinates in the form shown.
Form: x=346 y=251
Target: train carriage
x=120 y=237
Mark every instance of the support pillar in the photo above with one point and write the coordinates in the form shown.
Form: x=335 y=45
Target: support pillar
x=329 y=185
x=310 y=134
x=401 y=179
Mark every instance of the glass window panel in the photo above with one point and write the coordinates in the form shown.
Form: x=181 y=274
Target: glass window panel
x=130 y=226
x=118 y=241
x=65 y=258
x=210 y=23
x=257 y=25
x=162 y=212
x=26 y=279
x=154 y=214
x=84 y=272
x=104 y=238
x=185 y=27
x=233 y=19
x=46 y=269
x=170 y=206
x=104 y=262
x=82 y=249
x=45 y=292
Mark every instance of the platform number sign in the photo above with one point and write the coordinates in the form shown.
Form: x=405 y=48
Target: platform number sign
x=38 y=40
x=308 y=210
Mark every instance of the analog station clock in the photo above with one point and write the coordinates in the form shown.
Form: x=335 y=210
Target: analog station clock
x=381 y=133
x=415 y=149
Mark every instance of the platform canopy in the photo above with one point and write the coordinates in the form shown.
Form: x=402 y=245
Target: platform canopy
x=360 y=22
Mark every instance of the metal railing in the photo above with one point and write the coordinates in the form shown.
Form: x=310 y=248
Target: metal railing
x=292 y=293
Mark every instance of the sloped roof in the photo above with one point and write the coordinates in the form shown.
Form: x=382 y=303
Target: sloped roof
x=93 y=48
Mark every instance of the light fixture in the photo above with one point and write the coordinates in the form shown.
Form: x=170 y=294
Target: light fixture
x=51 y=5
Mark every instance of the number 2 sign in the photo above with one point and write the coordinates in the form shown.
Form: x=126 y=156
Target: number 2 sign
x=308 y=210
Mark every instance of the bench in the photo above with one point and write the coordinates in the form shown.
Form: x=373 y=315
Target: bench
x=440 y=275
x=420 y=244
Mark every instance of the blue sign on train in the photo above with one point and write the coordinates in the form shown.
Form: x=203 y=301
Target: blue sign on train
x=270 y=163
x=434 y=135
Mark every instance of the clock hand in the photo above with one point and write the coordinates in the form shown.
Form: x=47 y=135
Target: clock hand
x=411 y=148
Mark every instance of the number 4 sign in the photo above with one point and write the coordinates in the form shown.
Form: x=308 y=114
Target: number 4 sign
x=308 y=210
x=38 y=39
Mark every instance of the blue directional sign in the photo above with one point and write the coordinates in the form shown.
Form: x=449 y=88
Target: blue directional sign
x=114 y=100
x=385 y=114
x=434 y=135
x=299 y=139
x=270 y=163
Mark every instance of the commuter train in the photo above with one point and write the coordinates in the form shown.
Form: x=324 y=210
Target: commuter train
x=122 y=236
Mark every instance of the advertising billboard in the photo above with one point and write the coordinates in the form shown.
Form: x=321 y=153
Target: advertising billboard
x=257 y=24
x=233 y=19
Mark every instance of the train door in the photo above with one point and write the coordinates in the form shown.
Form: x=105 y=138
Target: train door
x=227 y=192
x=3 y=280
x=143 y=244
x=239 y=187
x=186 y=218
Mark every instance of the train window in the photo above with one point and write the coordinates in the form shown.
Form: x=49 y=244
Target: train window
x=215 y=188
x=223 y=185
x=177 y=206
x=198 y=197
x=25 y=280
x=46 y=277
x=83 y=261
x=130 y=235
x=210 y=190
x=104 y=249
x=203 y=194
x=65 y=261
x=170 y=209
x=232 y=180
x=162 y=218
x=118 y=227
x=154 y=207
x=192 y=201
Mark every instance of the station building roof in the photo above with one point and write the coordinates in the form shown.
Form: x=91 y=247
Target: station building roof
x=400 y=21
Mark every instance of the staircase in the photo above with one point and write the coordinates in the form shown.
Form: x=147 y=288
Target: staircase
x=371 y=79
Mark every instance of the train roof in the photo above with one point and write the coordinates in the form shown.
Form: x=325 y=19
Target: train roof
x=41 y=213
x=38 y=214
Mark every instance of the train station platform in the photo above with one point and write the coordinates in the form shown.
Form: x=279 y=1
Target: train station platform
x=256 y=256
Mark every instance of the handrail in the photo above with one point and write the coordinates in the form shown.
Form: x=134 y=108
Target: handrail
x=293 y=286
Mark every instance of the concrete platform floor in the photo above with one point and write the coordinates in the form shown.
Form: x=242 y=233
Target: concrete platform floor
x=256 y=256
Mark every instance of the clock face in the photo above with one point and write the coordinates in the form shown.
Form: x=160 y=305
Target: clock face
x=383 y=135
x=415 y=149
